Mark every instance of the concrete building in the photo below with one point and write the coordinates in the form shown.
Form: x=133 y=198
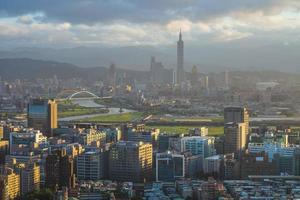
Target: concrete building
x=59 y=170
x=91 y=165
x=87 y=136
x=144 y=136
x=42 y=115
x=25 y=142
x=237 y=115
x=29 y=177
x=9 y=184
x=198 y=145
x=130 y=161
x=213 y=165
x=169 y=166
x=235 y=137
x=257 y=164
x=159 y=74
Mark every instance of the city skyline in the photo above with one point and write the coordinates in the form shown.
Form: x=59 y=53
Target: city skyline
x=235 y=35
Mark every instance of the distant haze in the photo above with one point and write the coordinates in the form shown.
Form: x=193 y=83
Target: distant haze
x=206 y=58
x=233 y=34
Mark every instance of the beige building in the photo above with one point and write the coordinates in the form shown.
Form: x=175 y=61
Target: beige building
x=9 y=184
x=30 y=178
x=130 y=161
x=237 y=115
x=235 y=137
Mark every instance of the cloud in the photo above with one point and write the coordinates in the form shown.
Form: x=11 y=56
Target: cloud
x=144 y=22
x=138 y=11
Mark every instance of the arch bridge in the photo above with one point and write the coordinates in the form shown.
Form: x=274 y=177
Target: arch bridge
x=70 y=94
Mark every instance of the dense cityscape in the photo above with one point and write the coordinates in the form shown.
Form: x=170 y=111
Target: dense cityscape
x=175 y=135
x=164 y=133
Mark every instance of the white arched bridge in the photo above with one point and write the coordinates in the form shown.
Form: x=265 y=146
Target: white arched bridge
x=92 y=95
x=77 y=94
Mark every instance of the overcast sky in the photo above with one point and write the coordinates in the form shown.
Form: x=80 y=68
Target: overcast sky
x=65 y=23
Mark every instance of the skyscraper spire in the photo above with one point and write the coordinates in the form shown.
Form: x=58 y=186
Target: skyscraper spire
x=180 y=35
x=180 y=59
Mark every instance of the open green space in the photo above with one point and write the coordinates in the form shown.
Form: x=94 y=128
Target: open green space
x=191 y=119
x=212 y=131
x=122 y=117
x=67 y=109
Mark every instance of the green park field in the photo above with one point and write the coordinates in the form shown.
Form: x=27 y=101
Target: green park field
x=212 y=131
x=114 y=118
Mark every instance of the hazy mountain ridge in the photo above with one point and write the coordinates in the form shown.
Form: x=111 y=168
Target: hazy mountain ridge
x=208 y=58
x=26 y=68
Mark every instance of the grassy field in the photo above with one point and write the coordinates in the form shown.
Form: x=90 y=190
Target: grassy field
x=191 y=119
x=212 y=131
x=67 y=109
x=124 y=117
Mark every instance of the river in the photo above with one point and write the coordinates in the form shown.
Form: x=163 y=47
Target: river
x=91 y=104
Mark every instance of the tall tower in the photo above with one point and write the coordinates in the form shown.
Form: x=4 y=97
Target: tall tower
x=180 y=59
x=42 y=115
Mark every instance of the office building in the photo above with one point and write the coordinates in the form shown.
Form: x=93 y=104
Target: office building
x=180 y=60
x=91 y=165
x=237 y=115
x=59 y=170
x=235 y=137
x=42 y=115
x=214 y=165
x=144 y=136
x=112 y=76
x=25 y=142
x=257 y=164
x=159 y=74
x=130 y=161
x=169 y=166
x=164 y=141
x=198 y=145
x=296 y=163
x=193 y=165
x=9 y=184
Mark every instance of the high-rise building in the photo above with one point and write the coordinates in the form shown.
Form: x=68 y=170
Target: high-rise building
x=169 y=166
x=296 y=162
x=112 y=77
x=235 y=137
x=42 y=115
x=198 y=145
x=91 y=165
x=150 y=136
x=159 y=74
x=29 y=177
x=214 y=165
x=4 y=150
x=180 y=60
x=59 y=170
x=9 y=184
x=25 y=142
x=257 y=164
x=164 y=141
x=237 y=115
x=130 y=161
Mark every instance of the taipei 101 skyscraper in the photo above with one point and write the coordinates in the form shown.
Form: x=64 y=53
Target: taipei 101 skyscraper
x=180 y=59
